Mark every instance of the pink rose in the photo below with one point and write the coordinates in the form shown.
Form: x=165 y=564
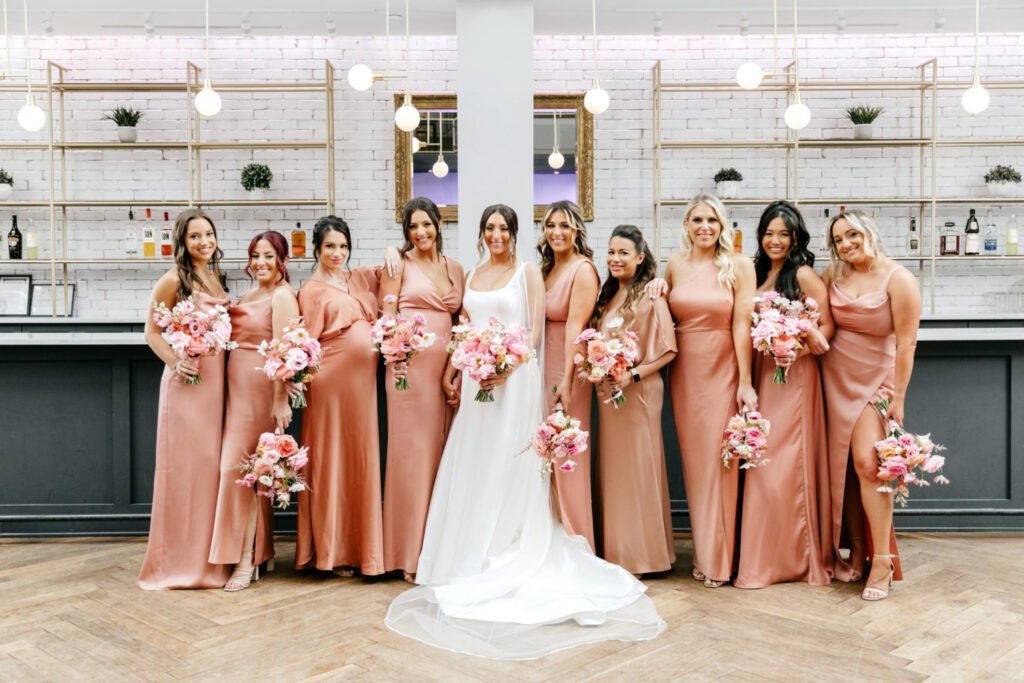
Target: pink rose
x=266 y=441
x=285 y=445
x=298 y=461
x=197 y=346
x=586 y=335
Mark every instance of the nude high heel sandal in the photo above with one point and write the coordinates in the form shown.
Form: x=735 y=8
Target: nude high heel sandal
x=241 y=578
x=873 y=591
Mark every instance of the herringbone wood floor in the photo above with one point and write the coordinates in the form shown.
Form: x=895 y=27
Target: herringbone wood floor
x=69 y=610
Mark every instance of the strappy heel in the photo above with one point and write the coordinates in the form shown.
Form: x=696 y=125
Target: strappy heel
x=241 y=578
x=873 y=591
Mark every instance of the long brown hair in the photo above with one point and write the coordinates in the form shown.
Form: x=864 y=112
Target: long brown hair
x=645 y=272
x=575 y=215
x=511 y=219
x=428 y=207
x=188 y=279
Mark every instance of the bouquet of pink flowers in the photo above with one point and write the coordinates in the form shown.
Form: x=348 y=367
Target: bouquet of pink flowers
x=192 y=333
x=779 y=326
x=491 y=351
x=275 y=465
x=601 y=358
x=559 y=438
x=905 y=458
x=295 y=357
x=745 y=438
x=398 y=340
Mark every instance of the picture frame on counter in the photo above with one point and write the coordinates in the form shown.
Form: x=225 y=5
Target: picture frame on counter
x=42 y=299
x=15 y=295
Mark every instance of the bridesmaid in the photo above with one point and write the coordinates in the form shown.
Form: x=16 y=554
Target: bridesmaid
x=428 y=283
x=711 y=292
x=636 y=520
x=188 y=433
x=243 y=530
x=571 y=284
x=339 y=517
x=877 y=307
x=786 y=527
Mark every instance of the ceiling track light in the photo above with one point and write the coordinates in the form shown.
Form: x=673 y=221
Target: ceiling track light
x=30 y=116
x=47 y=26
x=207 y=101
x=555 y=159
x=596 y=100
x=361 y=76
x=246 y=27
x=975 y=99
x=659 y=26
x=331 y=27
x=149 y=27
x=750 y=75
x=440 y=167
x=940 y=22
x=797 y=115
x=841 y=23
x=744 y=24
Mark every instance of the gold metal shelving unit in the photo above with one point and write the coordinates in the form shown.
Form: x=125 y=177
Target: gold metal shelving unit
x=57 y=146
x=926 y=86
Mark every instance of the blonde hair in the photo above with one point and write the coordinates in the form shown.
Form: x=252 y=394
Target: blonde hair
x=866 y=226
x=723 y=248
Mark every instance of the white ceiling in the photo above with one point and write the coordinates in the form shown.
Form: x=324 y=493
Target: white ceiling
x=552 y=17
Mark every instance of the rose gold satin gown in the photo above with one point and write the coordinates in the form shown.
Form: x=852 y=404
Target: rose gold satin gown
x=250 y=399
x=339 y=517
x=636 y=518
x=418 y=418
x=786 y=528
x=859 y=369
x=703 y=381
x=572 y=489
x=188 y=438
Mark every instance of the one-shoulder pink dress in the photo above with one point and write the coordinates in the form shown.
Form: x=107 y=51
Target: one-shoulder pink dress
x=339 y=517
x=572 y=489
x=188 y=440
x=703 y=381
x=418 y=418
x=859 y=369
x=250 y=399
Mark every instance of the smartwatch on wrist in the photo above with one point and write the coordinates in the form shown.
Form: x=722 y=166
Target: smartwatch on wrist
x=636 y=376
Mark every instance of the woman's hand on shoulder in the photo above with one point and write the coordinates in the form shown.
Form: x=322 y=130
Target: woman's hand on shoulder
x=393 y=262
x=656 y=288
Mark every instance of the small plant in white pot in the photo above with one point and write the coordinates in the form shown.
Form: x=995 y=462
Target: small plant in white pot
x=6 y=185
x=727 y=183
x=862 y=119
x=126 y=119
x=256 y=180
x=1002 y=181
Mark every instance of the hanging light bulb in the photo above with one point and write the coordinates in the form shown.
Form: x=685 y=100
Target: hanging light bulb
x=407 y=117
x=797 y=115
x=975 y=99
x=415 y=144
x=555 y=159
x=207 y=100
x=30 y=116
x=596 y=100
x=440 y=168
x=360 y=77
x=749 y=76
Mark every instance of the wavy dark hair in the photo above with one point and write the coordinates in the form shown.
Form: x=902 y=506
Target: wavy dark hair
x=798 y=255
x=188 y=279
x=330 y=224
x=575 y=215
x=280 y=245
x=428 y=207
x=645 y=272
x=509 y=214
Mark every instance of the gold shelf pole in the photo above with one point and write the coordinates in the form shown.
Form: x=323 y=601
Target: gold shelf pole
x=329 y=93
x=189 y=93
x=656 y=180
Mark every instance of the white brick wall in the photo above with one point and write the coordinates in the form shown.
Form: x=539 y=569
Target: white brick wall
x=623 y=138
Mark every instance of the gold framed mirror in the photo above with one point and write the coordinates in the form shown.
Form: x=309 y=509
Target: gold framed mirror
x=563 y=116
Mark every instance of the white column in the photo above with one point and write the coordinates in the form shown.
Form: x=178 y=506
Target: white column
x=495 y=92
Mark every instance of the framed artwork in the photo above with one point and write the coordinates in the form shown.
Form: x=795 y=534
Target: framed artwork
x=15 y=294
x=42 y=299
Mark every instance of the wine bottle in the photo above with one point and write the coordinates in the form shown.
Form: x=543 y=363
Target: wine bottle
x=31 y=246
x=913 y=239
x=972 y=236
x=165 y=237
x=14 y=240
x=131 y=237
x=949 y=242
x=148 y=237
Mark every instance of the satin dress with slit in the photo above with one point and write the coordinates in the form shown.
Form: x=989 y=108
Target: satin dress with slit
x=572 y=489
x=187 y=475
x=418 y=417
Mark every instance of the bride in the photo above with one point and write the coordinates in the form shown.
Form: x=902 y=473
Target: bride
x=499 y=576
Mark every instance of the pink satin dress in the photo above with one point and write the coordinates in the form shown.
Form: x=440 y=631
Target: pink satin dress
x=572 y=489
x=247 y=415
x=418 y=418
x=339 y=517
x=786 y=527
x=859 y=369
x=635 y=513
x=188 y=440
x=703 y=381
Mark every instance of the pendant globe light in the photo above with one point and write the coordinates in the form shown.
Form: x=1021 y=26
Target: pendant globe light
x=207 y=100
x=30 y=116
x=975 y=99
x=596 y=100
x=407 y=117
x=361 y=76
x=797 y=115
x=750 y=75
x=440 y=168
x=555 y=159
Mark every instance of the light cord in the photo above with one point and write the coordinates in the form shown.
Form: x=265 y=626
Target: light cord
x=556 y=130
x=796 y=57
x=28 y=58
x=977 y=81
x=7 y=40
x=207 y=41
x=593 y=16
x=775 y=35
x=387 y=37
x=407 y=48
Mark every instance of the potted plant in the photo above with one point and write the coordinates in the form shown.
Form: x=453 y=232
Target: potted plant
x=862 y=118
x=6 y=185
x=126 y=119
x=727 y=183
x=256 y=179
x=1002 y=181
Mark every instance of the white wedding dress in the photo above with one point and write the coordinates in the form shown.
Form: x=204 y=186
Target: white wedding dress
x=500 y=577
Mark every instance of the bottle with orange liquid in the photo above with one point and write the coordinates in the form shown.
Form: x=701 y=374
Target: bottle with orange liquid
x=737 y=238
x=165 y=237
x=148 y=237
x=298 y=241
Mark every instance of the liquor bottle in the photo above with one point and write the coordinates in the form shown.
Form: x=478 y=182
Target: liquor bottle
x=737 y=238
x=31 y=246
x=913 y=239
x=148 y=237
x=972 y=239
x=949 y=242
x=14 y=240
x=298 y=241
x=828 y=238
x=131 y=238
x=1011 y=236
x=990 y=239
x=165 y=237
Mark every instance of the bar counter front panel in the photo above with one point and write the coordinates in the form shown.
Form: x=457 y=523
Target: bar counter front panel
x=78 y=423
